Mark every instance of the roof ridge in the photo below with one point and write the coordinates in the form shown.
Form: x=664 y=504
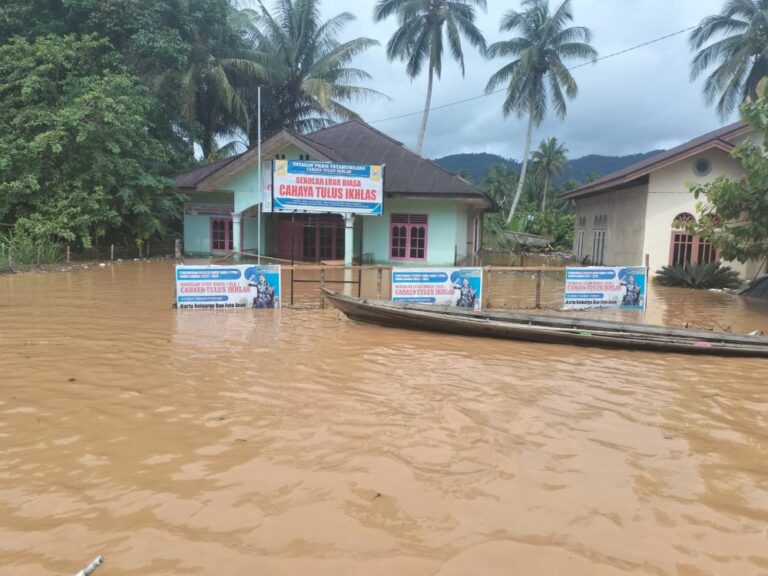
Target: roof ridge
x=717 y=135
x=364 y=124
x=223 y=162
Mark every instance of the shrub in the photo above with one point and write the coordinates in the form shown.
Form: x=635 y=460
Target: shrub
x=701 y=276
x=18 y=250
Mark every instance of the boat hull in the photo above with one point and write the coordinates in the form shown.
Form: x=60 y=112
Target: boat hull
x=549 y=330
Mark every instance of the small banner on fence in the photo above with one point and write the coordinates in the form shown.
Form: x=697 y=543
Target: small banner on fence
x=599 y=287
x=205 y=287
x=306 y=186
x=460 y=287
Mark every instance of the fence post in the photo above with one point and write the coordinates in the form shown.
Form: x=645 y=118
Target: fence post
x=141 y=251
x=538 y=288
x=378 y=283
x=10 y=256
x=39 y=254
x=68 y=254
x=111 y=251
x=148 y=246
x=488 y=284
x=177 y=248
x=322 y=285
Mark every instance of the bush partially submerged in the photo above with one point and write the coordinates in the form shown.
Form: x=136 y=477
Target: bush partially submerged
x=701 y=276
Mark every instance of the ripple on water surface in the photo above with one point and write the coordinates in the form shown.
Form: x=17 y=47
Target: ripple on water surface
x=298 y=442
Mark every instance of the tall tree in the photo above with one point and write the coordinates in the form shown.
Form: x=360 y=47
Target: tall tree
x=219 y=65
x=537 y=72
x=499 y=183
x=549 y=162
x=78 y=161
x=737 y=45
x=423 y=24
x=308 y=77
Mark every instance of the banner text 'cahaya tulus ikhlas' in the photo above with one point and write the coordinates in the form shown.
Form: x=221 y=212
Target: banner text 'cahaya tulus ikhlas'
x=306 y=186
x=205 y=287
x=599 y=287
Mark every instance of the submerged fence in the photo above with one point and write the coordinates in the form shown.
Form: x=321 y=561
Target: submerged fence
x=503 y=286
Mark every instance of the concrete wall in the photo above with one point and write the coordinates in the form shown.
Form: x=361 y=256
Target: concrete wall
x=669 y=196
x=197 y=229
x=442 y=237
x=624 y=231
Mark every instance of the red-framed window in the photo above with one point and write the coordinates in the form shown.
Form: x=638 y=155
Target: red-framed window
x=686 y=248
x=221 y=235
x=408 y=237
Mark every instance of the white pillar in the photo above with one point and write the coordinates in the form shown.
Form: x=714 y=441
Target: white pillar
x=237 y=228
x=349 y=249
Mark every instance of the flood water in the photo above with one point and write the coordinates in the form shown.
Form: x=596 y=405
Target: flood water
x=297 y=442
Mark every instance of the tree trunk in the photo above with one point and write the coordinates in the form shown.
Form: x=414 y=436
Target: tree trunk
x=524 y=170
x=425 y=117
x=544 y=194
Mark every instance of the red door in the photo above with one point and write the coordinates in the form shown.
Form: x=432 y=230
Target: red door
x=221 y=235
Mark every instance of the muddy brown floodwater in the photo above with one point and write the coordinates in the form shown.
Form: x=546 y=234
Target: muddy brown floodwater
x=298 y=442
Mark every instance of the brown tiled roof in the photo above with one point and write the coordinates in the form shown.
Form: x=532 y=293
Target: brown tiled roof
x=356 y=142
x=191 y=178
x=720 y=138
x=406 y=172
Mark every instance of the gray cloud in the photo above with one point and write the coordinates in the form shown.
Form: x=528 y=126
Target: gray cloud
x=635 y=102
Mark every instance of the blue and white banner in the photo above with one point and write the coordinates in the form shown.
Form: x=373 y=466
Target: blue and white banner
x=460 y=287
x=306 y=186
x=205 y=287
x=600 y=287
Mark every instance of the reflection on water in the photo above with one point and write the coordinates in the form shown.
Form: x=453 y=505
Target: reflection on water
x=298 y=442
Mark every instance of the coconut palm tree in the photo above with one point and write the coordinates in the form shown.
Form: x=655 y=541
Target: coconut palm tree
x=537 y=72
x=499 y=183
x=738 y=50
x=549 y=162
x=308 y=80
x=212 y=103
x=424 y=27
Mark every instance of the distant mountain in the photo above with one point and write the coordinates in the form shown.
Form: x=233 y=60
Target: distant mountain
x=477 y=164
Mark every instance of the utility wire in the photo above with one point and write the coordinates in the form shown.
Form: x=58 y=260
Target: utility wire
x=595 y=61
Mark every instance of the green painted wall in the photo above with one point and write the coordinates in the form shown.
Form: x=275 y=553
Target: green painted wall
x=245 y=185
x=447 y=222
x=442 y=237
x=197 y=229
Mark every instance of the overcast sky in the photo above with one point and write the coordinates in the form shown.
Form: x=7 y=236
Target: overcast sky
x=635 y=102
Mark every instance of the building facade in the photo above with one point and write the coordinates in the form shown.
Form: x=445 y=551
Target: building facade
x=430 y=216
x=640 y=210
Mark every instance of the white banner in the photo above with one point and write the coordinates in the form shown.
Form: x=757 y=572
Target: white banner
x=460 y=287
x=602 y=287
x=204 y=287
x=306 y=186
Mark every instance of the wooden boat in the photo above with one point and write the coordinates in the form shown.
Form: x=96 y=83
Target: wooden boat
x=542 y=328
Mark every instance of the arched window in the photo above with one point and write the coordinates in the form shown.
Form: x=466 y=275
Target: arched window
x=686 y=248
x=682 y=220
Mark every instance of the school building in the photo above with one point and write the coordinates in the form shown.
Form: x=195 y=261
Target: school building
x=430 y=216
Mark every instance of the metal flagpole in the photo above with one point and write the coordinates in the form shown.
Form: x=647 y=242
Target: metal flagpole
x=261 y=183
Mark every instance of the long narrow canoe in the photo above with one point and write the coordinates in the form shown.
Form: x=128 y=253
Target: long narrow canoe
x=547 y=329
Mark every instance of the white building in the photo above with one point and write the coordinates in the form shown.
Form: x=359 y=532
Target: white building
x=631 y=213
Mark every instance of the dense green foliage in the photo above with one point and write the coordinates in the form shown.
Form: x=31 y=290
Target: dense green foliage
x=103 y=100
x=700 y=276
x=733 y=214
x=77 y=160
x=537 y=72
x=424 y=26
x=735 y=42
